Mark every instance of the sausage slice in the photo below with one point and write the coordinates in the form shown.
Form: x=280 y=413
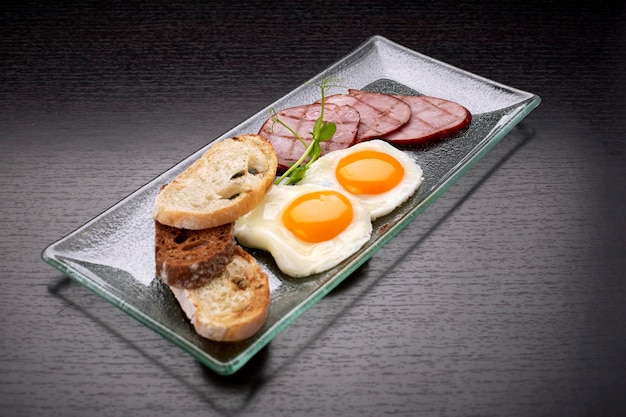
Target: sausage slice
x=431 y=118
x=301 y=119
x=380 y=113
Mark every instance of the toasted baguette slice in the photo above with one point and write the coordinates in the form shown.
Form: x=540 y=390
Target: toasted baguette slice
x=190 y=258
x=226 y=182
x=232 y=306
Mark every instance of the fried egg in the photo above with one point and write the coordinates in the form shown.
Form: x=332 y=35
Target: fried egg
x=374 y=172
x=307 y=228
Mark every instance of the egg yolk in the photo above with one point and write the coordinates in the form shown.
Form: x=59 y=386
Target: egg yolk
x=318 y=216
x=369 y=172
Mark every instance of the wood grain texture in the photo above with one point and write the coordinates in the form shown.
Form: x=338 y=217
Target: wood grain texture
x=512 y=304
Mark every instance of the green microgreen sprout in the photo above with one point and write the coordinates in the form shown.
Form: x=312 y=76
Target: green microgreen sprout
x=322 y=131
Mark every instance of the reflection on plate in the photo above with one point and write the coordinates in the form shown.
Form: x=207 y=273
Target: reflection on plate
x=113 y=254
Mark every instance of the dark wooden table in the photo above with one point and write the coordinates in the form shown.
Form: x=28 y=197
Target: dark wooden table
x=506 y=299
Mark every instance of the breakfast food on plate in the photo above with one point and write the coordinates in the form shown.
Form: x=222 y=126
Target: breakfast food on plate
x=307 y=228
x=376 y=173
x=190 y=258
x=301 y=119
x=431 y=118
x=340 y=154
x=233 y=305
x=220 y=287
x=228 y=180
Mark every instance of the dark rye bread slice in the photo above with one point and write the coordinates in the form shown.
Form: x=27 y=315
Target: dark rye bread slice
x=191 y=258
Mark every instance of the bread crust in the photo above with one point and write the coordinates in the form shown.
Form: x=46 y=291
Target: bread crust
x=231 y=307
x=226 y=182
x=190 y=258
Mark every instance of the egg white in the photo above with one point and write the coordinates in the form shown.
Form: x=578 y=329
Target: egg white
x=262 y=228
x=322 y=172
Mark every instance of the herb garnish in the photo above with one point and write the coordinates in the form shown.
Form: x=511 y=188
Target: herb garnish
x=322 y=131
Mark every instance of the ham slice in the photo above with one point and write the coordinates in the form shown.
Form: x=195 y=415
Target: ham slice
x=380 y=113
x=360 y=116
x=301 y=119
x=431 y=118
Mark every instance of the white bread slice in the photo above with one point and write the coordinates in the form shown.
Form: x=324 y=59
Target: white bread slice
x=233 y=305
x=226 y=182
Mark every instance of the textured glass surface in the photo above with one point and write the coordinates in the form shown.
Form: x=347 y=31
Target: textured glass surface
x=113 y=254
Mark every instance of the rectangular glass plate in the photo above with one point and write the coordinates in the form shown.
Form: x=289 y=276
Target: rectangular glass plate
x=113 y=254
